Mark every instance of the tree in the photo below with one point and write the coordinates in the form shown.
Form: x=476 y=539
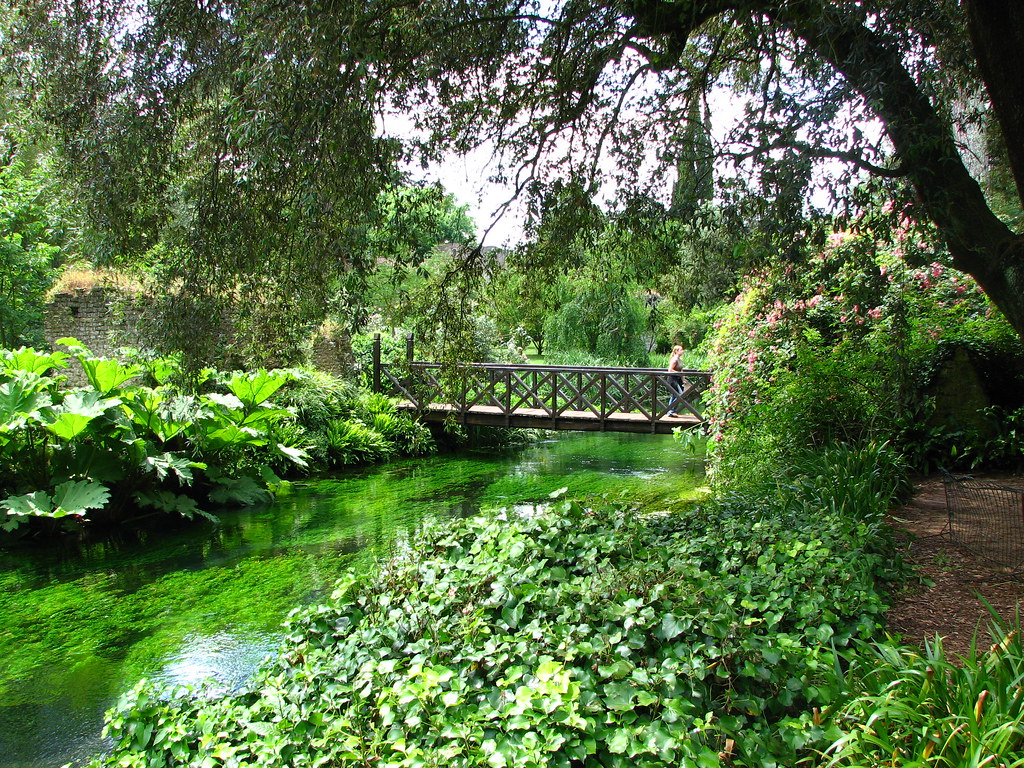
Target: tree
x=251 y=129
x=30 y=252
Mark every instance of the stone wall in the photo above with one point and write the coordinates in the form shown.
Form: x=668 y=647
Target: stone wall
x=105 y=319
x=102 y=318
x=331 y=351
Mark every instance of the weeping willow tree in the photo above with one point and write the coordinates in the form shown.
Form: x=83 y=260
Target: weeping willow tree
x=249 y=140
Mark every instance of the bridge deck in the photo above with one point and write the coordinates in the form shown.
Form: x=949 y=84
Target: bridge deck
x=537 y=418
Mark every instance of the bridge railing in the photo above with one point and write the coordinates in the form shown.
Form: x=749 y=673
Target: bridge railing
x=551 y=390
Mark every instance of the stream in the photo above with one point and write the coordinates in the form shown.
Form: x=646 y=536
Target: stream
x=80 y=623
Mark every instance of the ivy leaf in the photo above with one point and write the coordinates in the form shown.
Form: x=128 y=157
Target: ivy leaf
x=671 y=626
x=619 y=696
x=618 y=742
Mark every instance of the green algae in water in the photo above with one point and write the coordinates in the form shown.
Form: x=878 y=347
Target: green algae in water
x=184 y=604
x=600 y=464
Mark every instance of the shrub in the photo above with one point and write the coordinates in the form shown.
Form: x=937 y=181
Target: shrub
x=113 y=446
x=838 y=349
x=919 y=707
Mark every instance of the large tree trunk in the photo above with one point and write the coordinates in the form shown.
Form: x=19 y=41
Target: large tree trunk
x=997 y=32
x=980 y=243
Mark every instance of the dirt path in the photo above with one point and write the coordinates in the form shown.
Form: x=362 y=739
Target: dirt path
x=949 y=605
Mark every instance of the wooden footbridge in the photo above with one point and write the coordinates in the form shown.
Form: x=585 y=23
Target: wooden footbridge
x=543 y=396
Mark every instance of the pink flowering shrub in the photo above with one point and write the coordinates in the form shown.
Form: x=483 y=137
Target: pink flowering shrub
x=833 y=349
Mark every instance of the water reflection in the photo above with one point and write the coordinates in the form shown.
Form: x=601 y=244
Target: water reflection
x=218 y=663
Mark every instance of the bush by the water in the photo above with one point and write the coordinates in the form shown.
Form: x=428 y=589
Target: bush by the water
x=117 y=449
x=114 y=449
x=842 y=347
x=580 y=636
x=343 y=424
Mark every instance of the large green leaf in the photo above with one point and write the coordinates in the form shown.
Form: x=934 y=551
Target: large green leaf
x=265 y=417
x=297 y=455
x=74 y=497
x=77 y=496
x=31 y=361
x=78 y=410
x=153 y=413
x=233 y=436
x=256 y=388
x=98 y=462
x=21 y=402
x=167 y=463
x=107 y=375
x=229 y=402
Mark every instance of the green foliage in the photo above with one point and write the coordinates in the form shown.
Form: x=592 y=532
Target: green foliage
x=236 y=162
x=414 y=220
x=72 y=497
x=604 y=318
x=112 y=446
x=864 y=480
x=920 y=707
x=352 y=442
x=31 y=242
x=839 y=349
x=573 y=635
x=342 y=425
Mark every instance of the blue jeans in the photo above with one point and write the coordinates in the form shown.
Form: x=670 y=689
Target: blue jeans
x=675 y=386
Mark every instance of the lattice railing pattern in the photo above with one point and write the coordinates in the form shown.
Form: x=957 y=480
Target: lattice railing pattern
x=554 y=390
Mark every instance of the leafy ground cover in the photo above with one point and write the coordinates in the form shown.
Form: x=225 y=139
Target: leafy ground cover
x=581 y=635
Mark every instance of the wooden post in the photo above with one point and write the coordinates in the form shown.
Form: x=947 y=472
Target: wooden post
x=376 y=362
x=604 y=400
x=409 y=348
x=654 y=402
x=507 y=405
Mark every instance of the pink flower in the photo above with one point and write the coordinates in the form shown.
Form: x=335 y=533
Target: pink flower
x=875 y=313
x=888 y=206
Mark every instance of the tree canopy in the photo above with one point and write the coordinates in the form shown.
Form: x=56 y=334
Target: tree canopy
x=253 y=137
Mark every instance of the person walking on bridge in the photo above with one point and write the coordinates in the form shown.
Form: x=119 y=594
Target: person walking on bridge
x=675 y=379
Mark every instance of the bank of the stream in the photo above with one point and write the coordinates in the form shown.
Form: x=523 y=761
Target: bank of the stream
x=80 y=625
